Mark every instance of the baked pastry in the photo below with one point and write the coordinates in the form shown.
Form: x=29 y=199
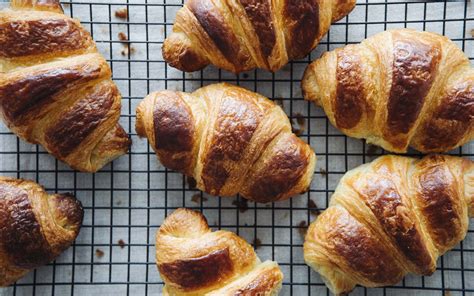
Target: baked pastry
x=55 y=88
x=229 y=139
x=393 y=216
x=193 y=260
x=35 y=227
x=241 y=35
x=396 y=89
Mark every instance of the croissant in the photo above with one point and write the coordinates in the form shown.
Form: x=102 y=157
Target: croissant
x=35 y=227
x=193 y=260
x=240 y=35
x=391 y=217
x=229 y=139
x=55 y=88
x=396 y=89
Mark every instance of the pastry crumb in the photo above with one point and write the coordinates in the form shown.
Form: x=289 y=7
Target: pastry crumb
x=99 y=253
x=323 y=172
x=122 y=36
x=128 y=50
x=241 y=204
x=122 y=13
x=121 y=243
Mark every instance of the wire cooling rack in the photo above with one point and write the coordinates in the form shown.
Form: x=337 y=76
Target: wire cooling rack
x=126 y=202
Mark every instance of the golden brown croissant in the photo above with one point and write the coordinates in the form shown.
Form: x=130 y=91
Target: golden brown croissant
x=239 y=35
x=35 y=227
x=193 y=260
x=393 y=216
x=55 y=88
x=396 y=89
x=229 y=139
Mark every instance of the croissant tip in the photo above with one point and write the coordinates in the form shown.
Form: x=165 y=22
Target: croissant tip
x=179 y=54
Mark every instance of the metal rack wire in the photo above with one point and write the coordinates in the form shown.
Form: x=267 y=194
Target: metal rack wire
x=126 y=202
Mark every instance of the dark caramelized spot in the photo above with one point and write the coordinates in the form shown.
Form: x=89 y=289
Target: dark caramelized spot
x=396 y=218
x=30 y=92
x=414 y=70
x=215 y=25
x=437 y=201
x=32 y=37
x=451 y=120
x=236 y=123
x=282 y=172
x=361 y=250
x=348 y=107
x=174 y=130
x=20 y=232
x=195 y=273
x=302 y=22
x=260 y=14
x=81 y=120
x=174 y=124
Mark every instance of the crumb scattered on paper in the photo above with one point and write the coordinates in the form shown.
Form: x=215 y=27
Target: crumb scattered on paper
x=241 y=204
x=472 y=32
x=99 y=253
x=257 y=243
x=121 y=243
x=191 y=182
x=122 y=36
x=122 y=13
x=197 y=198
x=245 y=75
x=313 y=208
x=323 y=172
x=302 y=228
x=128 y=49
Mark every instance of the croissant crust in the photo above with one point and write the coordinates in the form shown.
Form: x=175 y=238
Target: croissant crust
x=193 y=260
x=398 y=88
x=35 y=227
x=393 y=216
x=55 y=88
x=229 y=139
x=240 y=35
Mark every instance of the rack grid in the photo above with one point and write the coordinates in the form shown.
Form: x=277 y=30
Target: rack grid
x=126 y=202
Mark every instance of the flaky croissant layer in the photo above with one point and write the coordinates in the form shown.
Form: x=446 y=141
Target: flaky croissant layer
x=35 y=227
x=55 y=88
x=193 y=260
x=229 y=139
x=393 y=216
x=396 y=89
x=239 y=35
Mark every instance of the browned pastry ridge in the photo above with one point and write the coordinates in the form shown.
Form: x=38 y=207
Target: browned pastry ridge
x=193 y=260
x=55 y=88
x=240 y=35
x=229 y=139
x=393 y=216
x=35 y=227
x=396 y=89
